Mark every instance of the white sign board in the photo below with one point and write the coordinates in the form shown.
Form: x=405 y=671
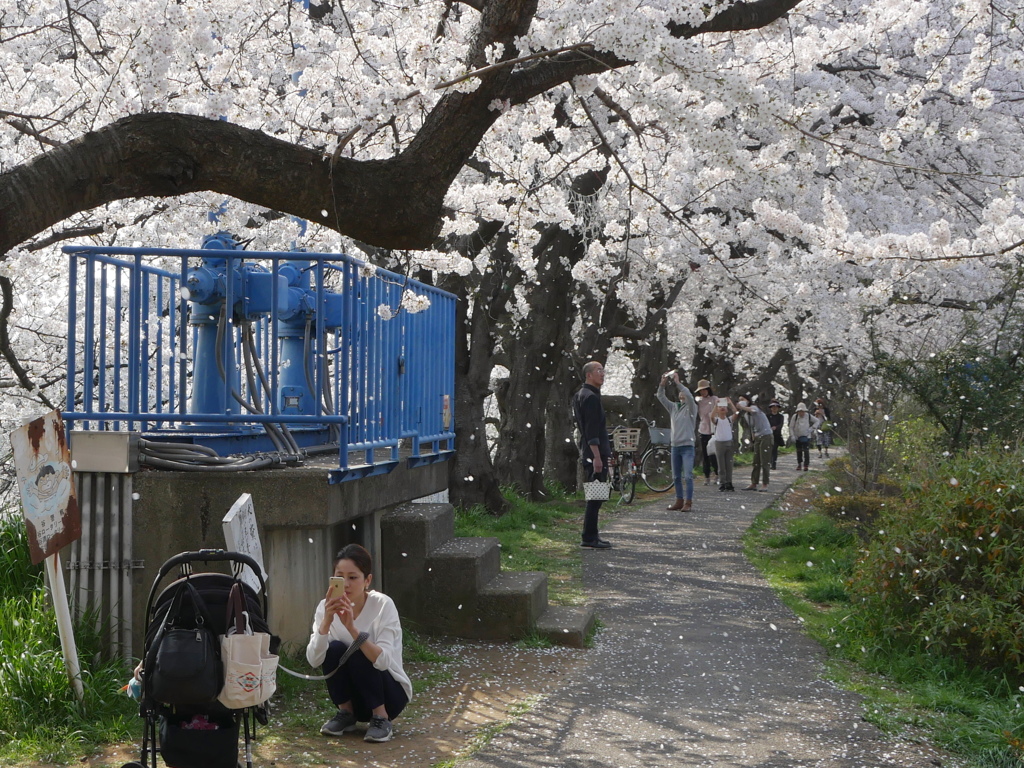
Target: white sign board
x=43 y=466
x=242 y=535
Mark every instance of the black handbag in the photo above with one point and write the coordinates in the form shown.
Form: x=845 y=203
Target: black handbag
x=183 y=666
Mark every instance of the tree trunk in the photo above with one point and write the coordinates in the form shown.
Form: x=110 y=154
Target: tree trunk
x=472 y=479
x=537 y=351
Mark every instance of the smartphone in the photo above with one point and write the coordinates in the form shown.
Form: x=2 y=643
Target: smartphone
x=337 y=587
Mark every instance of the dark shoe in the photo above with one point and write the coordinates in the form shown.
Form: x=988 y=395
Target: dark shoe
x=731 y=487
x=380 y=730
x=750 y=487
x=799 y=467
x=676 y=505
x=722 y=487
x=773 y=466
x=599 y=544
x=806 y=468
x=342 y=722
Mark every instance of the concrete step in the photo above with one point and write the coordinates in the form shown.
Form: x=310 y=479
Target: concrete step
x=411 y=532
x=463 y=566
x=567 y=625
x=510 y=603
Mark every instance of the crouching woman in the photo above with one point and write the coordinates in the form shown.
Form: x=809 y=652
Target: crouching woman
x=357 y=632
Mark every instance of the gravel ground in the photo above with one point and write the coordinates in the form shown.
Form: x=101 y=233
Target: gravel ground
x=699 y=664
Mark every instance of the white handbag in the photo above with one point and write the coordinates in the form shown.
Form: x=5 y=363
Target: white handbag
x=597 y=490
x=250 y=669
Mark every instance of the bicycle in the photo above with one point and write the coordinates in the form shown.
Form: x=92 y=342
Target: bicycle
x=656 y=458
x=623 y=470
x=653 y=466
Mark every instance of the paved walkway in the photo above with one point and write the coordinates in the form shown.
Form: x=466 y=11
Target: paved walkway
x=699 y=663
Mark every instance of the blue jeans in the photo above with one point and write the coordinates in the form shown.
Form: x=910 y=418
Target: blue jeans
x=682 y=468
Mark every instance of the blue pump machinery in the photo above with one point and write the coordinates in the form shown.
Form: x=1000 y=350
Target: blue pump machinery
x=224 y=292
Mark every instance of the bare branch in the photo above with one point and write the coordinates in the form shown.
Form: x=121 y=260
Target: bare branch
x=23 y=377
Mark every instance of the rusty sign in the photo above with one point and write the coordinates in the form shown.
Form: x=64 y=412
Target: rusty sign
x=43 y=464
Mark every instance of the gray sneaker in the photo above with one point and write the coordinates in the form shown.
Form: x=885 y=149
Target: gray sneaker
x=380 y=730
x=342 y=722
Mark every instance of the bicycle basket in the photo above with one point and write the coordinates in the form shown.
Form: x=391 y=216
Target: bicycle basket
x=660 y=435
x=625 y=438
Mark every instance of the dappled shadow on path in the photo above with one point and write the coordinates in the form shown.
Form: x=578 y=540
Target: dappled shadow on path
x=699 y=664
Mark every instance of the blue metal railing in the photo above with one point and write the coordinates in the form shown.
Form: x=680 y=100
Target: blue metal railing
x=380 y=375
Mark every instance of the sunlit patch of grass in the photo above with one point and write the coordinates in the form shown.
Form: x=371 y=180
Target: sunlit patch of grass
x=535 y=537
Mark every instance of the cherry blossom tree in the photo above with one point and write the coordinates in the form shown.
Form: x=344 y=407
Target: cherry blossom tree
x=750 y=191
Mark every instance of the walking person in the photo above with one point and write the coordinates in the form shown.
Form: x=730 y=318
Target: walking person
x=724 y=419
x=823 y=432
x=760 y=443
x=595 y=448
x=683 y=416
x=706 y=403
x=777 y=420
x=801 y=429
x=357 y=632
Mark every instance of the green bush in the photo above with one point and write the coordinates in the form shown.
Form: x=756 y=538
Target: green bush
x=945 y=571
x=859 y=510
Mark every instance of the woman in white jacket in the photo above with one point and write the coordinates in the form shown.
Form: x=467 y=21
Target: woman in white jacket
x=801 y=429
x=358 y=633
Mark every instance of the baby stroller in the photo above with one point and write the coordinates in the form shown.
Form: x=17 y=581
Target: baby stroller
x=182 y=672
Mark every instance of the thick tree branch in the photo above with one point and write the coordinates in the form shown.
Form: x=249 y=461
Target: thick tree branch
x=392 y=203
x=544 y=75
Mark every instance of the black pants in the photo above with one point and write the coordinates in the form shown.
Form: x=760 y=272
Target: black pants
x=593 y=507
x=803 y=452
x=362 y=683
x=775 y=454
x=708 y=458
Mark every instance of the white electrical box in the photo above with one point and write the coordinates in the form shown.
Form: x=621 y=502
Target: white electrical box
x=116 y=452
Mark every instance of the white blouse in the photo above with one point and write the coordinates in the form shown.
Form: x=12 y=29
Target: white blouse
x=379 y=619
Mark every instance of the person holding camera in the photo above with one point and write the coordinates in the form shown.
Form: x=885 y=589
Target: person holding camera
x=357 y=639
x=760 y=443
x=683 y=416
x=724 y=420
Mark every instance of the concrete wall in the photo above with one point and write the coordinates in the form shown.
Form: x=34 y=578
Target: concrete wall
x=303 y=521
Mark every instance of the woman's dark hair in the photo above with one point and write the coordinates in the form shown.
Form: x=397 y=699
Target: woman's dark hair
x=358 y=555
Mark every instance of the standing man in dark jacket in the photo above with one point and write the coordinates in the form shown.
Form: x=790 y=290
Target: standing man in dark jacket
x=777 y=420
x=595 y=450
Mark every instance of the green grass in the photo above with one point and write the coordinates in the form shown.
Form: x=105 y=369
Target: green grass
x=970 y=711
x=40 y=716
x=536 y=537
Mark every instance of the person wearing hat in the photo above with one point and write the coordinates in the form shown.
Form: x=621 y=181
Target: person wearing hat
x=683 y=416
x=777 y=420
x=724 y=419
x=801 y=429
x=706 y=402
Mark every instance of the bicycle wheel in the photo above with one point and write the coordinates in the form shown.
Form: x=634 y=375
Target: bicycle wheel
x=614 y=477
x=628 y=490
x=656 y=469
